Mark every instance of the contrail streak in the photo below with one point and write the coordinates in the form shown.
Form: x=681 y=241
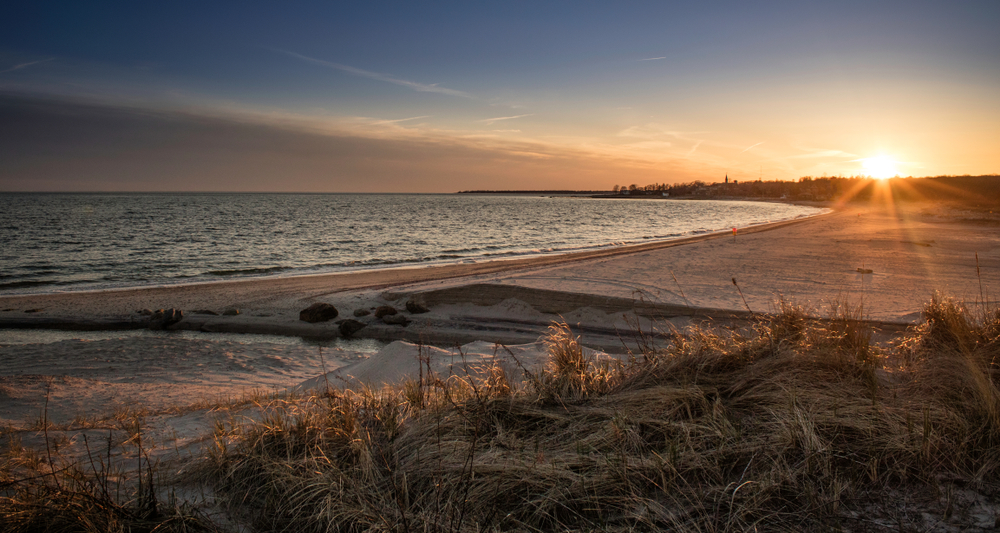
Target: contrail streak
x=489 y=121
x=421 y=87
x=749 y=147
x=22 y=65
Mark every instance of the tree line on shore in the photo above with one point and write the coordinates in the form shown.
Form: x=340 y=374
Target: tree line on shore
x=967 y=189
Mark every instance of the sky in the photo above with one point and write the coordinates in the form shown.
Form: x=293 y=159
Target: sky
x=420 y=97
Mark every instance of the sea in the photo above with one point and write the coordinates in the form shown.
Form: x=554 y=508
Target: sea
x=74 y=242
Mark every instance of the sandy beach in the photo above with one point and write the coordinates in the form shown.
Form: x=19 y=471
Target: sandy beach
x=911 y=251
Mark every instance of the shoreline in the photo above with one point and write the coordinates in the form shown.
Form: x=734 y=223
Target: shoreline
x=906 y=252
x=323 y=284
x=475 y=264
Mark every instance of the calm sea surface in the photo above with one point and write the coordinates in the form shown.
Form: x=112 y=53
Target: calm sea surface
x=63 y=242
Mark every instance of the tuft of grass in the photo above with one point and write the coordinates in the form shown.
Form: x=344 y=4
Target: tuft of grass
x=48 y=493
x=954 y=358
x=565 y=353
x=569 y=372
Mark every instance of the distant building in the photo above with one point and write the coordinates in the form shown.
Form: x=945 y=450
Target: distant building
x=727 y=178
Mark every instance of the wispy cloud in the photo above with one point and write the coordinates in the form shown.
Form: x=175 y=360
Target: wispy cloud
x=693 y=148
x=416 y=86
x=747 y=149
x=507 y=104
x=442 y=159
x=652 y=58
x=821 y=153
x=490 y=121
x=28 y=64
x=653 y=131
x=398 y=120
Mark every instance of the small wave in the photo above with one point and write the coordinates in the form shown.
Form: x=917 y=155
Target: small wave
x=240 y=271
x=29 y=284
x=515 y=252
x=41 y=269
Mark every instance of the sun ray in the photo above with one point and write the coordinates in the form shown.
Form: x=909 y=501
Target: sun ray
x=854 y=191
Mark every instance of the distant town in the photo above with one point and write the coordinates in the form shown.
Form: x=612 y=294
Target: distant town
x=975 y=190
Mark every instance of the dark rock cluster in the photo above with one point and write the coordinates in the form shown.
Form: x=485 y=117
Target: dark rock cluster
x=164 y=318
x=322 y=312
x=318 y=312
x=416 y=307
x=350 y=326
x=396 y=320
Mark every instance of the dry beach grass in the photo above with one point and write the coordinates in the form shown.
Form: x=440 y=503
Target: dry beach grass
x=792 y=423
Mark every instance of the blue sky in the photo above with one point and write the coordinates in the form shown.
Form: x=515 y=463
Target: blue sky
x=504 y=96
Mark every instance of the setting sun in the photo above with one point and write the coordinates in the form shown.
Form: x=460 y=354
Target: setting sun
x=881 y=167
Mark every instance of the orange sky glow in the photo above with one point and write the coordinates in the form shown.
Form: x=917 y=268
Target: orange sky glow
x=473 y=97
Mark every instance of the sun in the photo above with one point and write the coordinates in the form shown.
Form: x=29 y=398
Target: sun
x=881 y=167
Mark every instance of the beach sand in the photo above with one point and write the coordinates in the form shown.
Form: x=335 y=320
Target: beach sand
x=911 y=251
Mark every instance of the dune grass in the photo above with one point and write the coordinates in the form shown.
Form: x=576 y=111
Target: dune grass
x=792 y=423
x=115 y=487
x=42 y=491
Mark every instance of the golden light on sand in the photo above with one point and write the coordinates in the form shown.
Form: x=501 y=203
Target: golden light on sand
x=881 y=167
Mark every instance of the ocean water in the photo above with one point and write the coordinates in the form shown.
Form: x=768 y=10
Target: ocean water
x=66 y=242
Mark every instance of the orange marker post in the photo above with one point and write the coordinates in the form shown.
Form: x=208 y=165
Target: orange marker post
x=734 y=234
